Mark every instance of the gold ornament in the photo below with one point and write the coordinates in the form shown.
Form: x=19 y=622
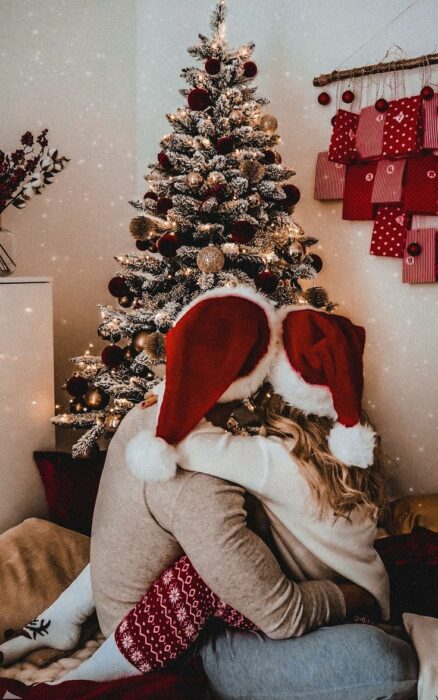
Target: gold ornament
x=140 y=227
x=282 y=235
x=112 y=422
x=252 y=170
x=94 y=398
x=255 y=199
x=194 y=180
x=139 y=340
x=126 y=301
x=296 y=248
x=155 y=346
x=215 y=178
x=236 y=116
x=268 y=123
x=210 y=259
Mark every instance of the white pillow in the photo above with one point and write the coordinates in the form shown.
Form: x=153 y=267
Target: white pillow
x=423 y=632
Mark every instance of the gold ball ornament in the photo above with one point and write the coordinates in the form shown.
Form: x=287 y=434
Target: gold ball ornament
x=236 y=116
x=210 y=259
x=268 y=123
x=194 y=180
x=126 y=301
x=215 y=178
x=96 y=399
x=140 y=227
x=296 y=248
x=252 y=170
x=139 y=340
x=156 y=345
x=112 y=422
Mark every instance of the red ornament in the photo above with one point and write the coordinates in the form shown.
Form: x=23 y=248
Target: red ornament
x=267 y=281
x=163 y=160
x=427 y=92
x=242 y=231
x=269 y=157
x=163 y=205
x=224 y=145
x=168 y=244
x=414 y=249
x=112 y=356
x=324 y=99
x=198 y=99
x=212 y=66
x=292 y=195
x=117 y=287
x=142 y=245
x=381 y=104
x=249 y=69
x=76 y=385
x=316 y=262
x=348 y=96
x=150 y=195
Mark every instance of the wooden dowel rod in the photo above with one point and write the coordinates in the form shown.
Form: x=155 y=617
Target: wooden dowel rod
x=388 y=67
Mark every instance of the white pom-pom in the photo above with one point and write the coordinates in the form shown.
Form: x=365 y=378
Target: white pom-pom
x=353 y=446
x=151 y=458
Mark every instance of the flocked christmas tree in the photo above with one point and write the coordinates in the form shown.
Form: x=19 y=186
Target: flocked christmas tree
x=218 y=211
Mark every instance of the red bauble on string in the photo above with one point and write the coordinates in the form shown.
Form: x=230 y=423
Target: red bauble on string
x=381 y=104
x=112 y=356
x=198 y=99
x=267 y=281
x=150 y=195
x=316 y=262
x=163 y=160
x=292 y=195
x=76 y=385
x=242 y=231
x=348 y=96
x=168 y=245
x=324 y=99
x=224 y=145
x=269 y=157
x=163 y=205
x=249 y=69
x=414 y=249
x=142 y=245
x=427 y=92
x=117 y=287
x=212 y=66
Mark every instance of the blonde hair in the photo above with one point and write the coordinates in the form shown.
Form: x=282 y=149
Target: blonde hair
x=334 y=485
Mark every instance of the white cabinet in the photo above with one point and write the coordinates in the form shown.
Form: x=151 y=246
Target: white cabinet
x=26 y=394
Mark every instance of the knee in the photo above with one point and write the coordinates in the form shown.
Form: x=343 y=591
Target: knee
x=390 y=657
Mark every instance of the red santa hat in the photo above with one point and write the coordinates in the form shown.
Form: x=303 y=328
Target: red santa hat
x=319 y=369
x=219 y=350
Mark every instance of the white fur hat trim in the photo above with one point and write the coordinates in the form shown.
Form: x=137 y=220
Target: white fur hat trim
x=353 y=446
x=151 y=458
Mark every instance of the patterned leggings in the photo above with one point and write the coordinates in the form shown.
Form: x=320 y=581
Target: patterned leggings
x=170 y=617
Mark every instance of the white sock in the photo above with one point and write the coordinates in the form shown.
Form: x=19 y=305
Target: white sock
x=106 y=664
x=58 y=627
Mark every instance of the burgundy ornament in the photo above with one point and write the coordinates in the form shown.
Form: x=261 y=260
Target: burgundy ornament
x=76 y=385
x=293 y=195
x=168 y=244
x=212 y=66
x=316 y=262
x=249 y=69
x=163 y=160
x=150 y=195
x=348 y=96
x=269 y=157
x=242 y=231
x=324 y=99
x=427 y=92
x=381 y=104
x=224 y=145
x=414 y=249
x=267 y=281
x=112 y=356
x=198 y=99
x=117 y=287
x=163 y=205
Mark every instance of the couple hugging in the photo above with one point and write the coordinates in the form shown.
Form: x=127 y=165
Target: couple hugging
x=170 y=546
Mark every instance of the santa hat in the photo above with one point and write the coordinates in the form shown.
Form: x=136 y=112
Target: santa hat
x=220 y=349
x=319 y=369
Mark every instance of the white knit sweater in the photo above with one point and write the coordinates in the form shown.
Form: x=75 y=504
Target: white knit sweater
x=314 y=547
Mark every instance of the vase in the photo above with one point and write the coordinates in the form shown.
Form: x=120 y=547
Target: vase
x=7 y=253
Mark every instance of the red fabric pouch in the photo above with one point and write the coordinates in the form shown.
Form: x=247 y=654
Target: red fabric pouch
x=389 y=232
x=359 y=183
x=343 y=142
x=420 y=195
x=430 y=119
x=421 y=268
x=388 y=183
x=402 y=134
x=369 y=136
x=329 y=178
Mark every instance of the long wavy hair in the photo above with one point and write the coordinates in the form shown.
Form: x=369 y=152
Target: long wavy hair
x=335 y=486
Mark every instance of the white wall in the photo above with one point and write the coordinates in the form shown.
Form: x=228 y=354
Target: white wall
x=134 y=52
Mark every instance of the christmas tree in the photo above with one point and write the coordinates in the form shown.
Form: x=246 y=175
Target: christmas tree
x=218 y=211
